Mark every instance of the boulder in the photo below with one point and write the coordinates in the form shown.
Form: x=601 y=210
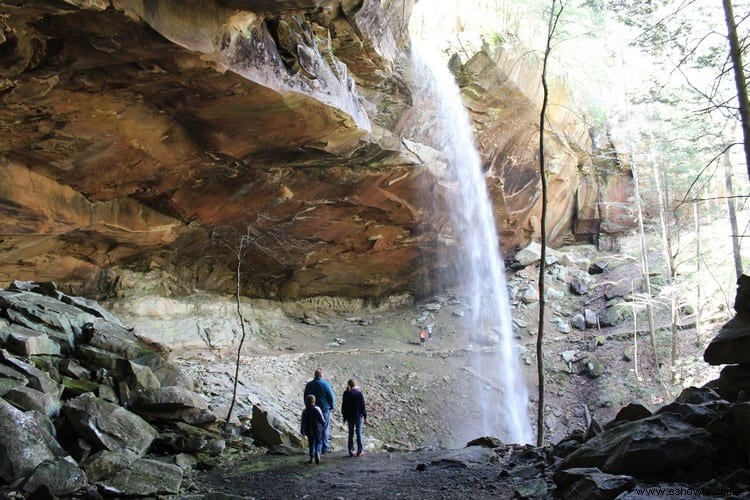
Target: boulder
x=732 y=344
x=57 y=477
x=271 y=429
x=591 y=483
x=10 y=378
x=107 y=425
x=732 y=380
x=630 y=413
x=26 y=443
x=144 y=478
x=657 y=444
x=37 y=379
x=167 y=403
x=190 y=439
x=167 y=373
x=26 y=342
x=105 y=464
x=26 y=398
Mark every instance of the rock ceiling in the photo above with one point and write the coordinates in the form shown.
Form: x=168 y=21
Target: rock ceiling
x=181 y=134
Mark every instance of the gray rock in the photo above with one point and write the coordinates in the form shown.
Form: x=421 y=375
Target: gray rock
x=95 y=358
x=631 y=412
x=616 y=314
x=592 y=320
x=578 y=321
x=116 y=339
x=271 y=429
x=37 y=379
x=31 y=309
x=108 y=425
x=187 y=438
x=732 y=344
x=72 y=368
x=10 y=378
x=106 y=464
x=168 y=403
x=58 y=477
x=26 y=398
x=654 y=445
x=144 y=478
x=529 y=295
x=167 y=373
x=26 y=443
x=531 y=254
x=26 y=342
x=591 y=483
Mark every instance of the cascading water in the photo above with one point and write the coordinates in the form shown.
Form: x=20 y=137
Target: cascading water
x=479 y=270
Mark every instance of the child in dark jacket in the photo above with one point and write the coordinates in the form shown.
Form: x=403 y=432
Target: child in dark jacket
x=312 y=427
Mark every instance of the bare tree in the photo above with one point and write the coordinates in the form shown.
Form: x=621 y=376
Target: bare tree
x=735 y=54
x=554 y=16
x=266 y=236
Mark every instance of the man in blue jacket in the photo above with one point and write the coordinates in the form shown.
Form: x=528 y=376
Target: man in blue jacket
x=326 y=400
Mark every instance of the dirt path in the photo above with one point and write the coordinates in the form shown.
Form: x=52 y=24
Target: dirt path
x=473 y=472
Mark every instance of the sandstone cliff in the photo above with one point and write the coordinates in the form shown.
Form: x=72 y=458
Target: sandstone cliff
x=177 y=135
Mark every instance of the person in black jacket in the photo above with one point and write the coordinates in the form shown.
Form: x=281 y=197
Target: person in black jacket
x=354 y=412
x=312 y=426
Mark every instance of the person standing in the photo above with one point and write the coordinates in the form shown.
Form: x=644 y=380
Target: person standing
x=311 y=426
x=326 y=399
x=422 y=336
x=354 y=412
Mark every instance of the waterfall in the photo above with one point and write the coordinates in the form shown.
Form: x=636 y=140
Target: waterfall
x=478 y=266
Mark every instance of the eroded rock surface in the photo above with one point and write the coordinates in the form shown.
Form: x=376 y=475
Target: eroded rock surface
x=154 y=137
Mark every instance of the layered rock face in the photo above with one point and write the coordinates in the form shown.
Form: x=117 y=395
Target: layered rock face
x=181 y=135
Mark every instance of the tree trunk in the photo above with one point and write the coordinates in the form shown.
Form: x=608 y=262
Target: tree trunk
x=668 y=260
x=553 y=18
x=240 y=254
x=735 y=53
x=731 y=209
x=698 y=265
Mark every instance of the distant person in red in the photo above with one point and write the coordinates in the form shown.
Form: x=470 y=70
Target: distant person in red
x=422 y=336
x=354 y=412
x=311 y=426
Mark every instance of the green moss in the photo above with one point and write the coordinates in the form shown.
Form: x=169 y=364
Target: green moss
x=78 y=386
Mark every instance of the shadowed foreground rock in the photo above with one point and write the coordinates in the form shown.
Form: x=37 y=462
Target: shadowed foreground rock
x=87 y=420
